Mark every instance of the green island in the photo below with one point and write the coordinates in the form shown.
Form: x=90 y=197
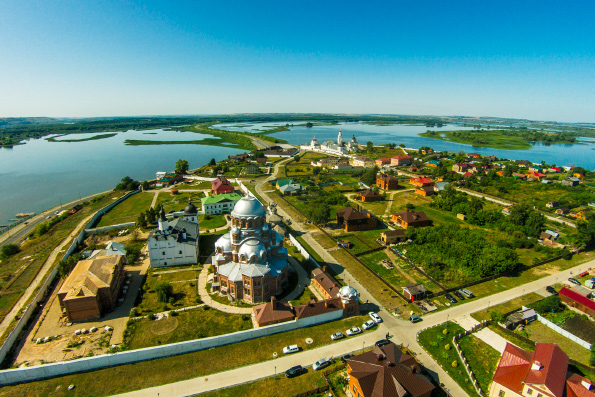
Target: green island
x=501 y=138
x=91 y=138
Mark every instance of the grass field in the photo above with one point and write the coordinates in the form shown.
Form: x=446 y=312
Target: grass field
x=131 y=377
x=128 y=210
x=492 y=139
x=213 y=222
x=184 y=289
x=193 y=324
x=178 y=202
x=433 y=340
x=505 y=307
x=482 y=358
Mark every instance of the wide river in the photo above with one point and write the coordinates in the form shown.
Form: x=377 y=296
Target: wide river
x=41 y=174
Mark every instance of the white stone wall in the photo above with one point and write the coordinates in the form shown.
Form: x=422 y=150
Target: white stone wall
x=92 y=363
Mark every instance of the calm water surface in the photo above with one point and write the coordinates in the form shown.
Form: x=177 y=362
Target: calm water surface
x=560 y=154
x=42 y=174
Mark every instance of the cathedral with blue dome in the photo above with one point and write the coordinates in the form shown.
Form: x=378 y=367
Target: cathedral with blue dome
x=250 y=262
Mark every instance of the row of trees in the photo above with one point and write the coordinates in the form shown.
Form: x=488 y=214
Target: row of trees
x=148 y=217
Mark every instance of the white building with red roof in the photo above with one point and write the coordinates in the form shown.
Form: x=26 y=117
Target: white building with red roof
x=543 y=373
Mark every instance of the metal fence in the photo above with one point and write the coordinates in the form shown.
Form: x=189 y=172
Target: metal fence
x=563 y=332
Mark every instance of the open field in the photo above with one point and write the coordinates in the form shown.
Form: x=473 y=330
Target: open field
x=171 y=369
x=505 y=307
x=492 y=139
x=128 y=210
x=209 y=222
x=189 y=325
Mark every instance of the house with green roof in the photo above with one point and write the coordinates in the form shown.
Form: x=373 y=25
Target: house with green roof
x=219 y=204
x=282 y=182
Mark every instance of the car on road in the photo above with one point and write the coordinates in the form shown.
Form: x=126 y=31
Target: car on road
x=353 y=331
x=345 y=357
x=295 y=371
x=551 y=290
x=337 y=335
x=368 y=325
x=467 y=293
x=415 y=319
x=382 y=342
x=574 y=281
x=459 y=295
x=320 y=364
x=375 y=317
x=450 y=298
x=291 y=349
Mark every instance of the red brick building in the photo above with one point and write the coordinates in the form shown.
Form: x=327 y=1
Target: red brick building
x=351 y=219
x=411 y=219
x=387 y=182
x=574 y=298
x=368 y=196
x=401 y=160
x=92 y=288
x=387 y=371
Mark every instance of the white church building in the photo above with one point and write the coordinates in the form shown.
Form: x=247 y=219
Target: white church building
x=175 y=242
x=339 y=148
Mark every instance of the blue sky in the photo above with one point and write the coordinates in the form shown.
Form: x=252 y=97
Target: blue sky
x=528 y=59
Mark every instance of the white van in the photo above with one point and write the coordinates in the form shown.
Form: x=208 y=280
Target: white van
x=291 y=349
x=467 y=293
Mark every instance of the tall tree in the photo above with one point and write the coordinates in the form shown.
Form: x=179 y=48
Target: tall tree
x=181 y=166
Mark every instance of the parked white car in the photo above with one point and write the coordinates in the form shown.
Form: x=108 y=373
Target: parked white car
x=353 y=331
x=337 y=335
x=368 y=324
x=291 y=349
x=375 y=317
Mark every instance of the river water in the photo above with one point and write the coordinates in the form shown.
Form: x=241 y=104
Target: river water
x=559 y=154
x=40 y=174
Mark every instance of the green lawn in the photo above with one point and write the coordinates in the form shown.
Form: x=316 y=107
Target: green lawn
x=184 y=288
x=179 y=201
x=128 y=210
x=209 y=222
x=434 y=341
x=492 y=139
x=193 y=324
x=131 y=377
x=505 y=307
x=482 y=358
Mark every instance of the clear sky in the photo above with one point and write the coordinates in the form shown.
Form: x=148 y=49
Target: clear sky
x=519 y=59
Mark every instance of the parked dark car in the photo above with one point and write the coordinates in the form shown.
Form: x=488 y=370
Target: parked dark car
x=450 y=298
x=382 y=342
x=415 y=319
x=574 y=281
x=459 y=295
x=551 y=290
x=294 y=371
x=345 y=357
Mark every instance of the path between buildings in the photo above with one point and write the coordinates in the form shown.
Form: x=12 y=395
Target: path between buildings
x=303 y=280
x=41 y=275
x=388 y=212
x=487 y=335
x=206 y=298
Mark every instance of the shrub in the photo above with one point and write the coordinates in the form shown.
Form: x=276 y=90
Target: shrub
x=447 y=346
x=445 y=331
x=133 y=312
x=496 y=316
x=9 y=250
x=547 y=305
x=245 y=317
x=173 y=313
x=152 y=316
x=164 y=291
x=455 y=364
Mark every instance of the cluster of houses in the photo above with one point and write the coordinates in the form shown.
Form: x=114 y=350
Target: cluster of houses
x=288 y=187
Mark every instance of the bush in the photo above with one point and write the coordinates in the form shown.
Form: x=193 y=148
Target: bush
x=133 y=312
x=455 y=364
x=9 y=250
x=152 y=316
x=173 y=313
x=445 y=331
x=496 y=316
x=547 y=305
x=164 y=291
x=447 y=346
